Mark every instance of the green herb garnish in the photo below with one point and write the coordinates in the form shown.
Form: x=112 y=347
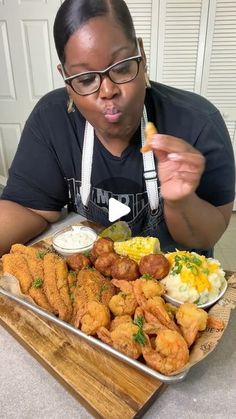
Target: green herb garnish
x=41 y=254
x=37 y=283
x=139 y=337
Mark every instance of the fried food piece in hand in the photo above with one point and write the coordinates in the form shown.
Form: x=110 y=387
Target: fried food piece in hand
x=149 y=131
x=191 y=320
x=157 y=266
x=105 y=261
x=97 y=315
x=124 y=302
x=125 y=268
x=50 y=286
x=101 y=246
x=78 y=261
x=170 y=352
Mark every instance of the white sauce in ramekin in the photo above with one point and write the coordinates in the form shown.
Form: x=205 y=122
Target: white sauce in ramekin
x=75 y=239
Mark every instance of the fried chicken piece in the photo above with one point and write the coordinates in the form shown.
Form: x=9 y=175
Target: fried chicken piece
x=50 y=286
x=149 y=131
x=191 y=320
x=78 y=261
x=125 y=268
x=97 y=315
x=156 y=265
x=170 y=352
x=105 y=261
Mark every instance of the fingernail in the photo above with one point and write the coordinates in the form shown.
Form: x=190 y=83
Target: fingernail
x=174 y=156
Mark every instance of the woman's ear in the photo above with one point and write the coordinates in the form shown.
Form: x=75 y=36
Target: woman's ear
x=146 y=76
x=59 y=67
x=140 y=41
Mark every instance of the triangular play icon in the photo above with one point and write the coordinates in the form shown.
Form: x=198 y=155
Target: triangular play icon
x=116 y=209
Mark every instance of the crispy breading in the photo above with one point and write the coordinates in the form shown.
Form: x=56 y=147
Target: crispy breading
x=50 y=286
x=91 y=286
x=62 y=284
x=16 y=265
x=25 y=250
x=36 y=290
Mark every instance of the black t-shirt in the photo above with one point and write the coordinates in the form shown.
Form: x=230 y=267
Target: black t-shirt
x=46 y=171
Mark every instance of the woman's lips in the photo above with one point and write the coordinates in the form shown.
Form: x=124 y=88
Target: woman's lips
x=112 y=115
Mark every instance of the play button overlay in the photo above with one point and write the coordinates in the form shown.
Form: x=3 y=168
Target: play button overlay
x=116 y=210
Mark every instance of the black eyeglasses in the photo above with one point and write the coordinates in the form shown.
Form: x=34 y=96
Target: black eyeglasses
x=121 y=72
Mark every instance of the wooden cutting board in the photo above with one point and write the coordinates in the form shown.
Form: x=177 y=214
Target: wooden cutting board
x=106 y=386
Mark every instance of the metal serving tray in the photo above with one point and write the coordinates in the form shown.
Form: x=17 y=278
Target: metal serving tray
x=96 y=342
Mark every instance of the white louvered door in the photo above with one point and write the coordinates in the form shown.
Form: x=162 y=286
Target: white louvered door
x=28 y=67
x=219 y=70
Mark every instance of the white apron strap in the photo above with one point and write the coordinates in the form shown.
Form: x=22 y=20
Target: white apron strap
x=149 y=174
x=148 y=164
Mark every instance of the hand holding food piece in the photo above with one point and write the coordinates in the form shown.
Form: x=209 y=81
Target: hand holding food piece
x=149 y=131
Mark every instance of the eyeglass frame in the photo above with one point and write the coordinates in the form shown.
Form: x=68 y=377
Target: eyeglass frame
x=68 y=80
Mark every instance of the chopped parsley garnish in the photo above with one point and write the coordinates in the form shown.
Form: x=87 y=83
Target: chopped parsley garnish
x=139 y=337
x=147 y=276
x=37 y=283
x=41 y=254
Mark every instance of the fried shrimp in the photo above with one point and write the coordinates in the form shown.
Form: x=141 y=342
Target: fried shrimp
x=147 y=287
x=90 y=286
x=170 y=352
x=97 y=315
x=125 y=268
x=105 y=261
x=122 y=338
x=157 y=307
x=156 y=265
x=149 y=131
x=191 y=320
x=124 y=302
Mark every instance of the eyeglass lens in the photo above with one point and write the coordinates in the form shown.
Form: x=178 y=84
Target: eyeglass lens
x=122 y=72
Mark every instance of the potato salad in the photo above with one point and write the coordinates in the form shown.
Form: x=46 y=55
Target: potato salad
x=193 y=278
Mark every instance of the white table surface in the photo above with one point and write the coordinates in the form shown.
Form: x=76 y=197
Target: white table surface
x=28 y=391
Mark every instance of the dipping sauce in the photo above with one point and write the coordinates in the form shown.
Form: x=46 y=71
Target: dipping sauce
x=74 y=239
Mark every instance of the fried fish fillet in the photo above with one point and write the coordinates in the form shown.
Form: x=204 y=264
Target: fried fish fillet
x=16 y=265
x=50 y=287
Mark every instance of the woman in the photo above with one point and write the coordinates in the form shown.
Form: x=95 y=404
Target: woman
x=81 y=145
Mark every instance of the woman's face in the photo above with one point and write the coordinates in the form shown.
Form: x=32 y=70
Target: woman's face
x=115 y=109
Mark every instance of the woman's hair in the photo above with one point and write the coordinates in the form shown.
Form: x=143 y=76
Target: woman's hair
x=74 y=13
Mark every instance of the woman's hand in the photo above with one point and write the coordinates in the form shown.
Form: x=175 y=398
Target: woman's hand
x=180 y=166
